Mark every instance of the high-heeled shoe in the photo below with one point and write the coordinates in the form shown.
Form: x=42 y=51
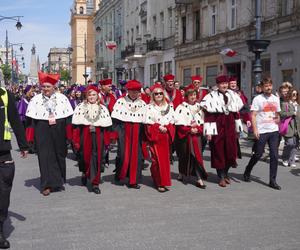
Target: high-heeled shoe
x=199 y=185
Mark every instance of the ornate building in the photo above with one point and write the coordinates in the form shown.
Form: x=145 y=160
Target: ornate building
x=83 y=40
x=204 y=28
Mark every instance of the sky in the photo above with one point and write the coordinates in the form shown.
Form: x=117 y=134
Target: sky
x=45 y=24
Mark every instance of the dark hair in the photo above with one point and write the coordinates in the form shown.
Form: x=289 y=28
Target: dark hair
x=298 y=95
x=189 y=92
x=266 y=81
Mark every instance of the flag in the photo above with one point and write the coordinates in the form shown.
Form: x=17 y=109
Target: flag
x=228 y=52
x=112 y=45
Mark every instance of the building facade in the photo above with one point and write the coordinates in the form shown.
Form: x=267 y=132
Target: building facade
x=204 y=28
x=149 y=30
x=83 y=40
x=108 y=23
x=58 y=59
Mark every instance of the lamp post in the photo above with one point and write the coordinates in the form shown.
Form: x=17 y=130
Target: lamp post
x=69 y=50
x=15 y=18
x=257 y=45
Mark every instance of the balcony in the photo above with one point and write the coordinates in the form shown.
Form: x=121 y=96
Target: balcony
x=129 y=51
x=161 y=44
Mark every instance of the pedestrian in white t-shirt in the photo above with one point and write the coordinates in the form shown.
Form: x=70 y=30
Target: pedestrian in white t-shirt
x=265 y=118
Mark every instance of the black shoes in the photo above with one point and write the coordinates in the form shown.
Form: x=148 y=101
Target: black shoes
x=96 y=190
x=4 y=243
x=134 y=186
x=274 y=185
x=199 y=185
x=83 y=180
x=246 y=178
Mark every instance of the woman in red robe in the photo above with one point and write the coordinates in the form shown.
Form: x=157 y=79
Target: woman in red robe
x=160 y=133
x=90 y=120
x=189 y=120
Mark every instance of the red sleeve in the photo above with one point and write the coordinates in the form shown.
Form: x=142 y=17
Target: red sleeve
x=152 y=131
x=209 y=117
x=183 y=131
x=171 y=131
x=69 y=131
x=76 y=138
x=111 y=102
x=30 y=134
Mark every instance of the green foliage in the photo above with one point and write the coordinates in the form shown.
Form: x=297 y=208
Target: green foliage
x=64 y=75
x=6 y=70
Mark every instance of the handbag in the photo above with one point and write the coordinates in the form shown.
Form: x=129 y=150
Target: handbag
x=284 y=124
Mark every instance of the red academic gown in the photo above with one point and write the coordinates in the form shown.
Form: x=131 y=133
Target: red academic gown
x=160 y=144
x=190 y=153
x=175 y=98
x=223 y=146
x=83 y=141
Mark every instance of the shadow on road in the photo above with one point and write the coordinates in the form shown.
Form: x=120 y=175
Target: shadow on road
x=75 y=181
x=8 y=226
x=35 y=182
x=295 y=171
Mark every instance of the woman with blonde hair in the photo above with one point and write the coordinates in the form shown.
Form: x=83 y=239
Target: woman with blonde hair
x=160 y=133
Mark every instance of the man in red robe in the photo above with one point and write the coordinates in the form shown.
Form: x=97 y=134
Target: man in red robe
x=128 y=116
x=173 y=95
x=201 y=91
x=221 y=124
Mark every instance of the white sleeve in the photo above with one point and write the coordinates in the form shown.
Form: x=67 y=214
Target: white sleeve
x=255 y=106
x=278 y=104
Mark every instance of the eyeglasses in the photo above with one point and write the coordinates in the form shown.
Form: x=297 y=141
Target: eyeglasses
x=158 y=93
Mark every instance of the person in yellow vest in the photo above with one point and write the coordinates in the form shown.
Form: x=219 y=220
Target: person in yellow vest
x=8 y=117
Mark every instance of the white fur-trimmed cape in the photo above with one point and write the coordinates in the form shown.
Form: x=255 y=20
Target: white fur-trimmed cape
x=163 y=115
x=91 y=114
x=59 y=103
x=185 y=114
x=127 y=110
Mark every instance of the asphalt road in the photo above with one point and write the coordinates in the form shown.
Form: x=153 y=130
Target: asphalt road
x=241 y=216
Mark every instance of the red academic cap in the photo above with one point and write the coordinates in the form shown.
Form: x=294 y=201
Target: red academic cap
x=106 y=81
x=189 y=87
x=156 y=86
x=133 y=85
x=196 y=78
x=232 y=79
x=169 y=77
x=91 y=87
x=49 y=78
x=221 y=78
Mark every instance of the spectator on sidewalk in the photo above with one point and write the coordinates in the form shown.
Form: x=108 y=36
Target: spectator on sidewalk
x=265 y=118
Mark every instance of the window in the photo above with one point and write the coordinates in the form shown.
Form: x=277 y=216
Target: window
x=154 y=26
x=198 y=71
x=137 y=30
x=81 y=10
x=197 y=25
x=183 y=21
x=187 y=76
x=213 y=19
x=233 y=14
x=162 y=25
x=168 y=67
x=153 y=73
x=286 y=7
x=170 y=17
x=132 y=36
x=211 y=73
x=160 y=71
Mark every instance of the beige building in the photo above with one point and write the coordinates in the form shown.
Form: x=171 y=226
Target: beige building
x=204 y=28
x=58 y=59
x=83 y=40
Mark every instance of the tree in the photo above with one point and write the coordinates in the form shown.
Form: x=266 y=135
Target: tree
x=64 y=75
x=6 y=70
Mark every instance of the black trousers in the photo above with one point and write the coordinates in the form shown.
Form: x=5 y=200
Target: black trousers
x=272 y=140
x=7 y=172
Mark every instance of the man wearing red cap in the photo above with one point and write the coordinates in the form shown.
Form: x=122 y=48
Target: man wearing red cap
x=173 y=96
x=108 y=100
x=49 y=112
x=221 y=125
x=128 y=116
x=201 y=91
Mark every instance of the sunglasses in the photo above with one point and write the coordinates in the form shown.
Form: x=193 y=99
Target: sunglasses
x=158 y=93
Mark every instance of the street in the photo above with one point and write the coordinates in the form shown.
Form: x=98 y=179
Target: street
x=242 y=216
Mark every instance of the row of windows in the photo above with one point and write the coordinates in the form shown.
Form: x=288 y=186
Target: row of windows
x=157 y=71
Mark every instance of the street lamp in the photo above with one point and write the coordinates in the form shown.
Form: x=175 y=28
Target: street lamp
x=257 y=45
x=16 y=18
